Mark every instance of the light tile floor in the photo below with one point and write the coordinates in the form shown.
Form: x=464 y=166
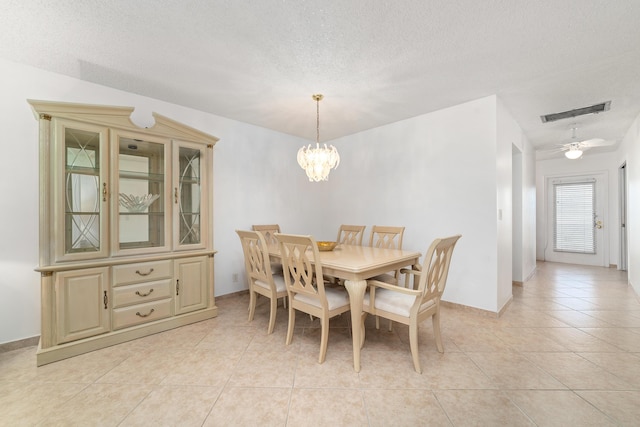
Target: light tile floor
x=565 y=353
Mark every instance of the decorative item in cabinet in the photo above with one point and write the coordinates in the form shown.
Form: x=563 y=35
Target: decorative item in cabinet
x=126 y=227
x=142 y=166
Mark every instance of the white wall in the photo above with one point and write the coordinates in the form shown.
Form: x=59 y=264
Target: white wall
x=629 y=152
x=436 y=175
x=528 y=210
x=509 y=134
x=517 y=215
x=524 y=209
x=606 y=163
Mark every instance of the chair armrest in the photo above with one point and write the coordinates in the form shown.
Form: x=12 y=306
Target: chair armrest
x=414 y=272
x=379 y=284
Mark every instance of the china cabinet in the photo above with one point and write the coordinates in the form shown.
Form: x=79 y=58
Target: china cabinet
x=126 y=236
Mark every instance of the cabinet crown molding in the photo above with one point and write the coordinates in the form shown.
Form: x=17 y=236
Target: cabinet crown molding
x=120 y=117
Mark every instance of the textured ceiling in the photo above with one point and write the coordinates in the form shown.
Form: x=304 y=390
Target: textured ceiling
x=376 y=62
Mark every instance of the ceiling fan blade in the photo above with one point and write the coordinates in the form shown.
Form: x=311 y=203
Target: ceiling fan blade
x=597 y=142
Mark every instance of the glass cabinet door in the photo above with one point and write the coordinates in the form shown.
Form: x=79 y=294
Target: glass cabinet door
x=82 y=218
x=187 y=195
x=142 y=219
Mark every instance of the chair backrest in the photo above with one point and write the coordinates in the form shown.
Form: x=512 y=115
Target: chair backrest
x=350 y=234
x=435 y=267
x=268 y=231
x=256 y=257
x=386 y=237
x=301 y=266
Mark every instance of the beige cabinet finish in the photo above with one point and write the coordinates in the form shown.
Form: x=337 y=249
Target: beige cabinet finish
x=126 y=227
x=190 y=295
x=82 y=303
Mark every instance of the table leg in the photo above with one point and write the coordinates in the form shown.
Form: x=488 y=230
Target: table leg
x=356 y=289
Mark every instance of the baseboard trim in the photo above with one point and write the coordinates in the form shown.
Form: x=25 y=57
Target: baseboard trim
x=16 y=345
x=233 y=294
x=476 y=310
x=516 y=283
x=505 y=306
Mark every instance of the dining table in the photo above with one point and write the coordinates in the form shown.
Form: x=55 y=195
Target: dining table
x=355 y=264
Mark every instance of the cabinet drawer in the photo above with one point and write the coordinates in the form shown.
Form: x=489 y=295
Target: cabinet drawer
x=141 y=313
x=146 y=271
x=141 y=292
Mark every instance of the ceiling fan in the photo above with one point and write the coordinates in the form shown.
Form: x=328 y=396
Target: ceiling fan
x=574 y=149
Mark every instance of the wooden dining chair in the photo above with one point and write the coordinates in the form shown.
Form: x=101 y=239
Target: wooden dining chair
x=269 y=231
x=347 y=235
x=386 y=237
x=391 y=238
x=307 y=293
x=350 y=234
x=259 y=275
x=412 y=306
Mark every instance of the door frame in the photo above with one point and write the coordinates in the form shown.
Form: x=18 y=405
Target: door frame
x=622 y=212
x=602 y=253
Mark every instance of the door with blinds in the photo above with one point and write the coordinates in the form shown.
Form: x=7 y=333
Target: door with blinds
x=576 y=220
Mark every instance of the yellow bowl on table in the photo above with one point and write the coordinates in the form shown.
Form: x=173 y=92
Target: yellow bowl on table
x=326 y=246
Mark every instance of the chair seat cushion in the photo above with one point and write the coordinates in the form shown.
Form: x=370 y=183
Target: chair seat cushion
x=278 y=280
x=336 y=298
x=394 y=302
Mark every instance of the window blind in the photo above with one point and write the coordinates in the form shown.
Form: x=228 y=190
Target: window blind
x=574 y=216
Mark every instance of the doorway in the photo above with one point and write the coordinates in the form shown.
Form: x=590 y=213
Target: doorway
x=576 y=219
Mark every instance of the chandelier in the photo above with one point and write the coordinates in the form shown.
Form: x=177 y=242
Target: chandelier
x=318 y=162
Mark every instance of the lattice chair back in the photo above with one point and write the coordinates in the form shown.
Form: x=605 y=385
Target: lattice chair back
x=386 y=237
x=256 y=258
x=268 y=231
x=435 y=268
x=351 y=234
x=301 y=274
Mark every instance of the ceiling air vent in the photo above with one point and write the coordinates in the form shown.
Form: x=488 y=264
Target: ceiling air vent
x=594 y=109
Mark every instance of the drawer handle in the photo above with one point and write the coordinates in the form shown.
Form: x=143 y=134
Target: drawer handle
x=144 y=295
x=145 y=315
x=144 y=274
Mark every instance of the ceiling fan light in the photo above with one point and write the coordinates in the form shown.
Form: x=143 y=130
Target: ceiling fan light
x=573 y=153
